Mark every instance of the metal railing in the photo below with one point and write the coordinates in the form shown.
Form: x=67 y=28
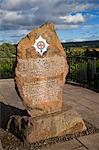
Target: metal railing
x=83 y=71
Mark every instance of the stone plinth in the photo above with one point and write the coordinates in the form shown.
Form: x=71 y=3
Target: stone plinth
x=66 y=121
x=40 y=77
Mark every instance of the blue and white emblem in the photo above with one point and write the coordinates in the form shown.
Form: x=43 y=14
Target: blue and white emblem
x=41 y=45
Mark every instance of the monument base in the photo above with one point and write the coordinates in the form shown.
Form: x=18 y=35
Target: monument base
x=67 y=121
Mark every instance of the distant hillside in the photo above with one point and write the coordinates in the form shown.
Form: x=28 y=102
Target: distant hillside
x=7 y=49
x=90 y=44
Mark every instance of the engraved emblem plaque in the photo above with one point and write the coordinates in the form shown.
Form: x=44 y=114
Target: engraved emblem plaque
x=41 y=45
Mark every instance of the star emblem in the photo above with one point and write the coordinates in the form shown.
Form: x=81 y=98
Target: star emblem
x=41 y=45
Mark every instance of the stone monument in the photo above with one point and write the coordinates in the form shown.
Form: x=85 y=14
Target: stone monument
x=40 y=76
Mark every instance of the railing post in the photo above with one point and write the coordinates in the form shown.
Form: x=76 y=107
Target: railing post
x=94 y=65
x=95 y=76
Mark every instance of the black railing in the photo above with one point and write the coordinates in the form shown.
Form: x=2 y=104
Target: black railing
x=83 y=71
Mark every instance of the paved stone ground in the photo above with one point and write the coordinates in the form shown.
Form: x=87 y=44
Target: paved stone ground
x=85 y=101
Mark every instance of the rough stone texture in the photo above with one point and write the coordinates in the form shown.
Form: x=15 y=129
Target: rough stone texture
x=1 y=148
x=40 y=79
x=91 y=141
x=67 y=121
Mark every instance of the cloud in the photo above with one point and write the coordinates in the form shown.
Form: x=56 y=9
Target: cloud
x=31 y=13
x=17 y=4
x=13 y=36
x=66 y=26
x=12 y=16
x=78 y=39
x=20 y=15
x=77 y=18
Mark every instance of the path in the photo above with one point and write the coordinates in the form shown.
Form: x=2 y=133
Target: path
x=85 y=101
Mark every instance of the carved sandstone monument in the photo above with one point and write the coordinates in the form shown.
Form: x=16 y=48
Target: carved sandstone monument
x=40 y=76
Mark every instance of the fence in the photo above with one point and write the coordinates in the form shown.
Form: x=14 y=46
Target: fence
x=82 y=70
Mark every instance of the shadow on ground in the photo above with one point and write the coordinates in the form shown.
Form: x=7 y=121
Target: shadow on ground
x=6 y=111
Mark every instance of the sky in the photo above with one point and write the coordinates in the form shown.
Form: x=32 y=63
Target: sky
x=75 y=20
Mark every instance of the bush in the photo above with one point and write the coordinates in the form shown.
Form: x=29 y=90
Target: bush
x=7 y=68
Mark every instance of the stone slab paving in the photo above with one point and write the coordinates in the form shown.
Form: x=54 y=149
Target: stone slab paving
x=90 y=141
x=80 y=148
x=8 y=94
x=68 y=145
x=85 y=101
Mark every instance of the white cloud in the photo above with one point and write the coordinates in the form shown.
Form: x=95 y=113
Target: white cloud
x=35 y=12
x=66 y=26
x=77 y=18
x=11 y=16
x=17 y=4
x=78 y=39
x=63 y=41
x=26 y=14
